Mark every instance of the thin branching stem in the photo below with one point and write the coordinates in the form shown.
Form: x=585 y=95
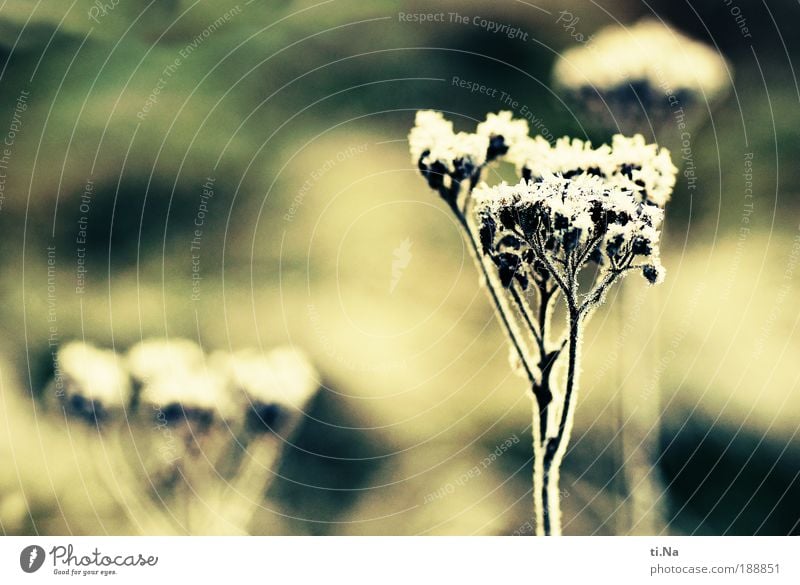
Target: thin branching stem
x=587 y=250
x=537 y=246
x=555 y=447
x=490 y=286
x=597 y=293
x=524 y=310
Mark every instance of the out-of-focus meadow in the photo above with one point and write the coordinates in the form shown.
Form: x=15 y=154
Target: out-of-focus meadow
x=320 y=234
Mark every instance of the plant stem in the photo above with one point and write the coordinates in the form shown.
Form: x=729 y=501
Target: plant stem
x=245 y=493
x=555 y=447
x=539 y=492
x=565 y=424
x=526 y=315
x=552 y=500
x=547 y=503
x=548 y=452
x=499 y=306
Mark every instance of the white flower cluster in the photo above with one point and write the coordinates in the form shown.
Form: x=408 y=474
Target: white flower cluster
x=628 y=163
x=648 y=54
x=503 y=132
x=554 y=227
x=177 y=379
x=447 y=159
x=95 y=381
x=444 y=157
x=574 y=206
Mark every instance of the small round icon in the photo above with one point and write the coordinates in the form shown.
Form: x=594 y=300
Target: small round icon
x=31 y=558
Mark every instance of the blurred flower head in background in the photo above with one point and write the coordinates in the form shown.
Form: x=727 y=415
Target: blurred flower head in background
x=275 y=387
x=95 y=383
x=194 y=420
x=647 y=54
x=633 y=77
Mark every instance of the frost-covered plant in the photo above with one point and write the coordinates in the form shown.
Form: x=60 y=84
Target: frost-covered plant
x=636 y=73
x=93 y=386
x=579 y=220
x=152 y=359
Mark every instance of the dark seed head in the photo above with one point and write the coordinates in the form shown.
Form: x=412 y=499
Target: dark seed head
x=614 y=245
x=507 y=266
x=529 y=219
x=650 y=273
x=497 y=147
x=463 y=169
x=571 y=238
x=435 y=174
x=509 y=241
x=508 y=217
x=627 y=170
x=641 y=246
x=264 y=417
x=487 y=232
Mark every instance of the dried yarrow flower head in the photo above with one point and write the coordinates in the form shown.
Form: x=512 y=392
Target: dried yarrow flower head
x=636 y=70
x=504 y=133
x=646 y=170
x=450 y=160
x=96 y=384
x=540 y=236
x=276 y=387
x=552 y=228
x=274 y=391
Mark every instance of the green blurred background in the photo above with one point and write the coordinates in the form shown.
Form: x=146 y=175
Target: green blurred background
x=299 y=111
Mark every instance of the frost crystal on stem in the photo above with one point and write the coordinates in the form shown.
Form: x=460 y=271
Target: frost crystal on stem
x=575 y=209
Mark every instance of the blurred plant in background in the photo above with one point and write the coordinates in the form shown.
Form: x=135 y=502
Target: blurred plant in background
x=631 y=78
x=185 y=442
